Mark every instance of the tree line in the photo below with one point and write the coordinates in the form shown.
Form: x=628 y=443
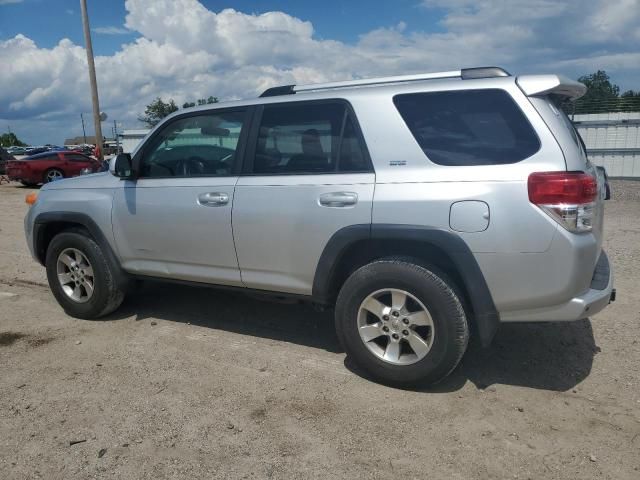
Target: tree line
x=10 y=140
x=158 y=109
x=603 y=96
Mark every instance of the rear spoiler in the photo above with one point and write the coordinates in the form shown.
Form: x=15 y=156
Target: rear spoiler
x=545 y=84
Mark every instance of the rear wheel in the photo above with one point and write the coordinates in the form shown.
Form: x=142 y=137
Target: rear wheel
x=52 y=175
x=401 y=322
x=80 y=277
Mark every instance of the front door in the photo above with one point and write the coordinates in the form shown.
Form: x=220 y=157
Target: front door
x=175 y=220
x=307 y=176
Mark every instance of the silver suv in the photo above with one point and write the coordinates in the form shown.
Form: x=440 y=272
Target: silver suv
x=424 y=208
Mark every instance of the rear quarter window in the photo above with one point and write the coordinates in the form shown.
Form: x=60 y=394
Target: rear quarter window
x=77 y=158
x=468 y=127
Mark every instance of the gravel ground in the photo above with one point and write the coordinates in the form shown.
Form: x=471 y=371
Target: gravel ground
x=193 y=383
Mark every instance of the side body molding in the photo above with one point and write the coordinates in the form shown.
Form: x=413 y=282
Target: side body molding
x=486 y=316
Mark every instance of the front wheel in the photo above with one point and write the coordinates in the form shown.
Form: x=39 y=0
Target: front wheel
x=80 y=277
x=401 y=322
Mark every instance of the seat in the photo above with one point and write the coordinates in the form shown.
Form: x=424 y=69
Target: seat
x=312 y=158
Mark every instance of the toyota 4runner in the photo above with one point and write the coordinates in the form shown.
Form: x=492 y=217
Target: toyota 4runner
x=424 y=208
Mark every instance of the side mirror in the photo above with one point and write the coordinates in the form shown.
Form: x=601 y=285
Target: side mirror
x=121 y=166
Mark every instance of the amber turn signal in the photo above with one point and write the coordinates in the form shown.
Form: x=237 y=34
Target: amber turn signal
x=31 y=198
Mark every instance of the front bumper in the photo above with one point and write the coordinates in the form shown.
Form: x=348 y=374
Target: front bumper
x=594 y=300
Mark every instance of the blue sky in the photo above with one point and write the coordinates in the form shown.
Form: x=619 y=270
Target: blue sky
x=190 y=49
x=338 y=20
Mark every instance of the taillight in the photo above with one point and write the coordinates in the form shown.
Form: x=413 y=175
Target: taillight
x=568 y=197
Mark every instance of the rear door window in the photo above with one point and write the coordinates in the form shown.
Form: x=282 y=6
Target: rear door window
x=468 y=127
x=307 y=138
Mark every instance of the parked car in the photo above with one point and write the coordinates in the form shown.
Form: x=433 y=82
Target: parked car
x=4 y=158
x=424 y=208
x=36 y=150
x=50 y=166
x=85 y=149
x=17 y=150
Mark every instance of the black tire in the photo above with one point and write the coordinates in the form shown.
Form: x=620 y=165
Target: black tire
x=438 y=295
x=106 y=296
x=45 y=178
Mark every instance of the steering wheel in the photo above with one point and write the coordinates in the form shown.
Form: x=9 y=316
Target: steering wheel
x=186 y=167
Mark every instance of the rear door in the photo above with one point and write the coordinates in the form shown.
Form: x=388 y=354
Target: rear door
x=307 y=176
x=175 y=219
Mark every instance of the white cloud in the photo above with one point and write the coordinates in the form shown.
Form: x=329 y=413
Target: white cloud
x=112 y=30
x=186 y=51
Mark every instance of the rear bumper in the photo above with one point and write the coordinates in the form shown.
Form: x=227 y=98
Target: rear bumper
x=594 y=300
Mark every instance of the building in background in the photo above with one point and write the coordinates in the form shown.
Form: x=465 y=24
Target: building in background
x=129 y=139
x=90 y=140
x=612 y=140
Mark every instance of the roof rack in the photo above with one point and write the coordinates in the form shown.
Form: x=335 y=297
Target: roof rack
x=464 y=74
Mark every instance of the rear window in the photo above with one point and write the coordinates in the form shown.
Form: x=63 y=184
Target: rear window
x=468 y=127
x=43 y=156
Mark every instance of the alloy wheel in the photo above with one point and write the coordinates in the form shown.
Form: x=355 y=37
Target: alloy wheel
x=395 y=326
x=75 y=275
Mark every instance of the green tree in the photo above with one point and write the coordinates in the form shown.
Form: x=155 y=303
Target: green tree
x=599 y=86
x=157 y=110
x=602 y=96
x=10 y=140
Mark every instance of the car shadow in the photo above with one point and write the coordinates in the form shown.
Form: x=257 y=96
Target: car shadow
x=548 y=356
x=237 y=312
x=554 y=356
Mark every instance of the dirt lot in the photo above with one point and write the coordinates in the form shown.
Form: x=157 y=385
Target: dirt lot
x=193 y=383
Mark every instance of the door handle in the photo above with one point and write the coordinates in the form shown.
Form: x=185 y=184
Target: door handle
x=213 y=199
x=338 y=199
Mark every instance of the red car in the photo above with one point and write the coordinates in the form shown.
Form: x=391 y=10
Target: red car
x=50 y=166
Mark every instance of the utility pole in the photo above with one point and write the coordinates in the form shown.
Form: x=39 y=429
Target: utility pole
x=92 y=78
x=84 y=134
x=115 y=134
